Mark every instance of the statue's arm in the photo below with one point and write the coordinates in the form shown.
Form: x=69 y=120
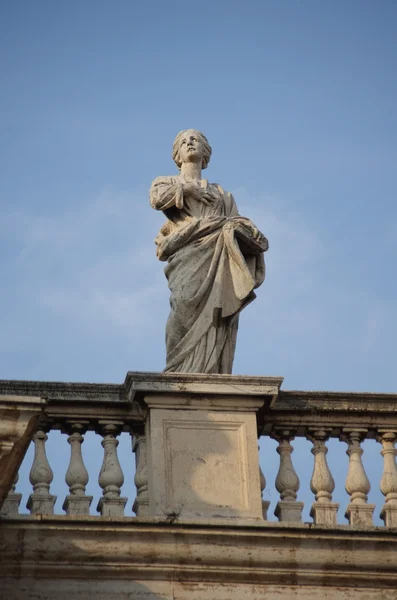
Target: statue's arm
x=165 y=193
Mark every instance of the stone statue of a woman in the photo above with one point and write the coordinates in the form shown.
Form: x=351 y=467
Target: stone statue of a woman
x=215 y=261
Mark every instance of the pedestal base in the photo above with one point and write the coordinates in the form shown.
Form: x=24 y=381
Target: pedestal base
x=289 y=511
x=360 y=515
x=41 y=504
x=203 y=458
x=389 y=515
x=324 y=513
x=141 y=507
x=111 y=507
x=11 y=504
x=77 y=505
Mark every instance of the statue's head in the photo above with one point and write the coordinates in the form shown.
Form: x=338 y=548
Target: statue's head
x=191 y=146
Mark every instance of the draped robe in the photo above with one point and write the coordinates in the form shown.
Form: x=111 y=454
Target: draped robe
x=209 y=278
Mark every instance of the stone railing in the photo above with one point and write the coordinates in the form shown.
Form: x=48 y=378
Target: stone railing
x=76 y=409
x=351 y=418
x=226 y=403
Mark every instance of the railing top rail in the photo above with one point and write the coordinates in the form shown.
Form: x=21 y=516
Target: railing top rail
x=308 y=400
x=296 y=409
x=57 y=390
x=335 y=412
x=152 y=381
x=91 y=403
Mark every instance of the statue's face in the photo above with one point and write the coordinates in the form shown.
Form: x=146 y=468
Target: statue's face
x=191 y=147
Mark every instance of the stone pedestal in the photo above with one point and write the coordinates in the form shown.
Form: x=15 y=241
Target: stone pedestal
x=204 y=462
x=41 y=504
x=11 y=504
x=77 y=505
x=201 y=445
x=289 y=511
x=141 y=507
x=389 y=515
x=111 y=507
x=324 y=513
x=360 y=515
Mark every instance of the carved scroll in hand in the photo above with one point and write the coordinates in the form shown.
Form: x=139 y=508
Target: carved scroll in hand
x=248 y=243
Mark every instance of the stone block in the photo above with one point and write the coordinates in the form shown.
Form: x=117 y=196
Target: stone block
x=77 y=505
x=289 y=511
x=141 y=507
x=324 y=513
x=360 y=515
x=389 y=515
x=203 y=459
x=41 y=504
x=11 y=504
x=111 y=507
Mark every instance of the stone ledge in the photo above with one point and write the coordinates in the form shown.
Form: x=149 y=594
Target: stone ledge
x=63 y=391
x=139 y=384
x=217 y=523
x=262 y=553
x=151 y=589
x=343 y=401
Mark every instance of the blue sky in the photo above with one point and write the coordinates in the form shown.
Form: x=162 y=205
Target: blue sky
x=298 y=100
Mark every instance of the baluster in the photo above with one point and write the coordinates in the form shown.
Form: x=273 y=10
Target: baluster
x=265 y=503
x=11 y=504
x=388 y=483
x=359 y=512
x=41 y=502
x=76 y=503
x=287 y=481
x=141 y=503
x=322 y=483
x=111 y=477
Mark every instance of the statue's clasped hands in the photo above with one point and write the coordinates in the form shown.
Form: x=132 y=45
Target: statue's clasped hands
x=201 y=194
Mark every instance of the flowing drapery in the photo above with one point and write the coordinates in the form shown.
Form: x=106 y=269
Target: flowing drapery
x=209 y=278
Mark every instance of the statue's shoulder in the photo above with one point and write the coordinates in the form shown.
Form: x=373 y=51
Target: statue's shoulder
x=221 y=189
x=166 y=180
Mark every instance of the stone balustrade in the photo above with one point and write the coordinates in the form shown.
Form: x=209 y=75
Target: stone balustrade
x=351 y=418
x=282 y=416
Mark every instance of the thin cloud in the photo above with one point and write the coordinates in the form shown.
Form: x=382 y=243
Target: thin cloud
x=93 y=271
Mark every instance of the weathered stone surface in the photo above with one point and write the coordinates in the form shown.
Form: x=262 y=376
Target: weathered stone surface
x=203 y=457
x=141 y=503
x=75 y=559
x=287 y=510
x=140 y=384
x=325 y=513
x=77 y=477
x=11 y=503
x=388 y=484
x=111 y=476
x=75 y=589
x=360 y=515
x=215 y=261
x=119 y=558
x=18 y=420
x=41 y=502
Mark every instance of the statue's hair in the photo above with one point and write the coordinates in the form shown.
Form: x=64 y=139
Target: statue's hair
x=177 y=144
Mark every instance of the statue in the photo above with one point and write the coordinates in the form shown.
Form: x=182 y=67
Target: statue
x=215 y=261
